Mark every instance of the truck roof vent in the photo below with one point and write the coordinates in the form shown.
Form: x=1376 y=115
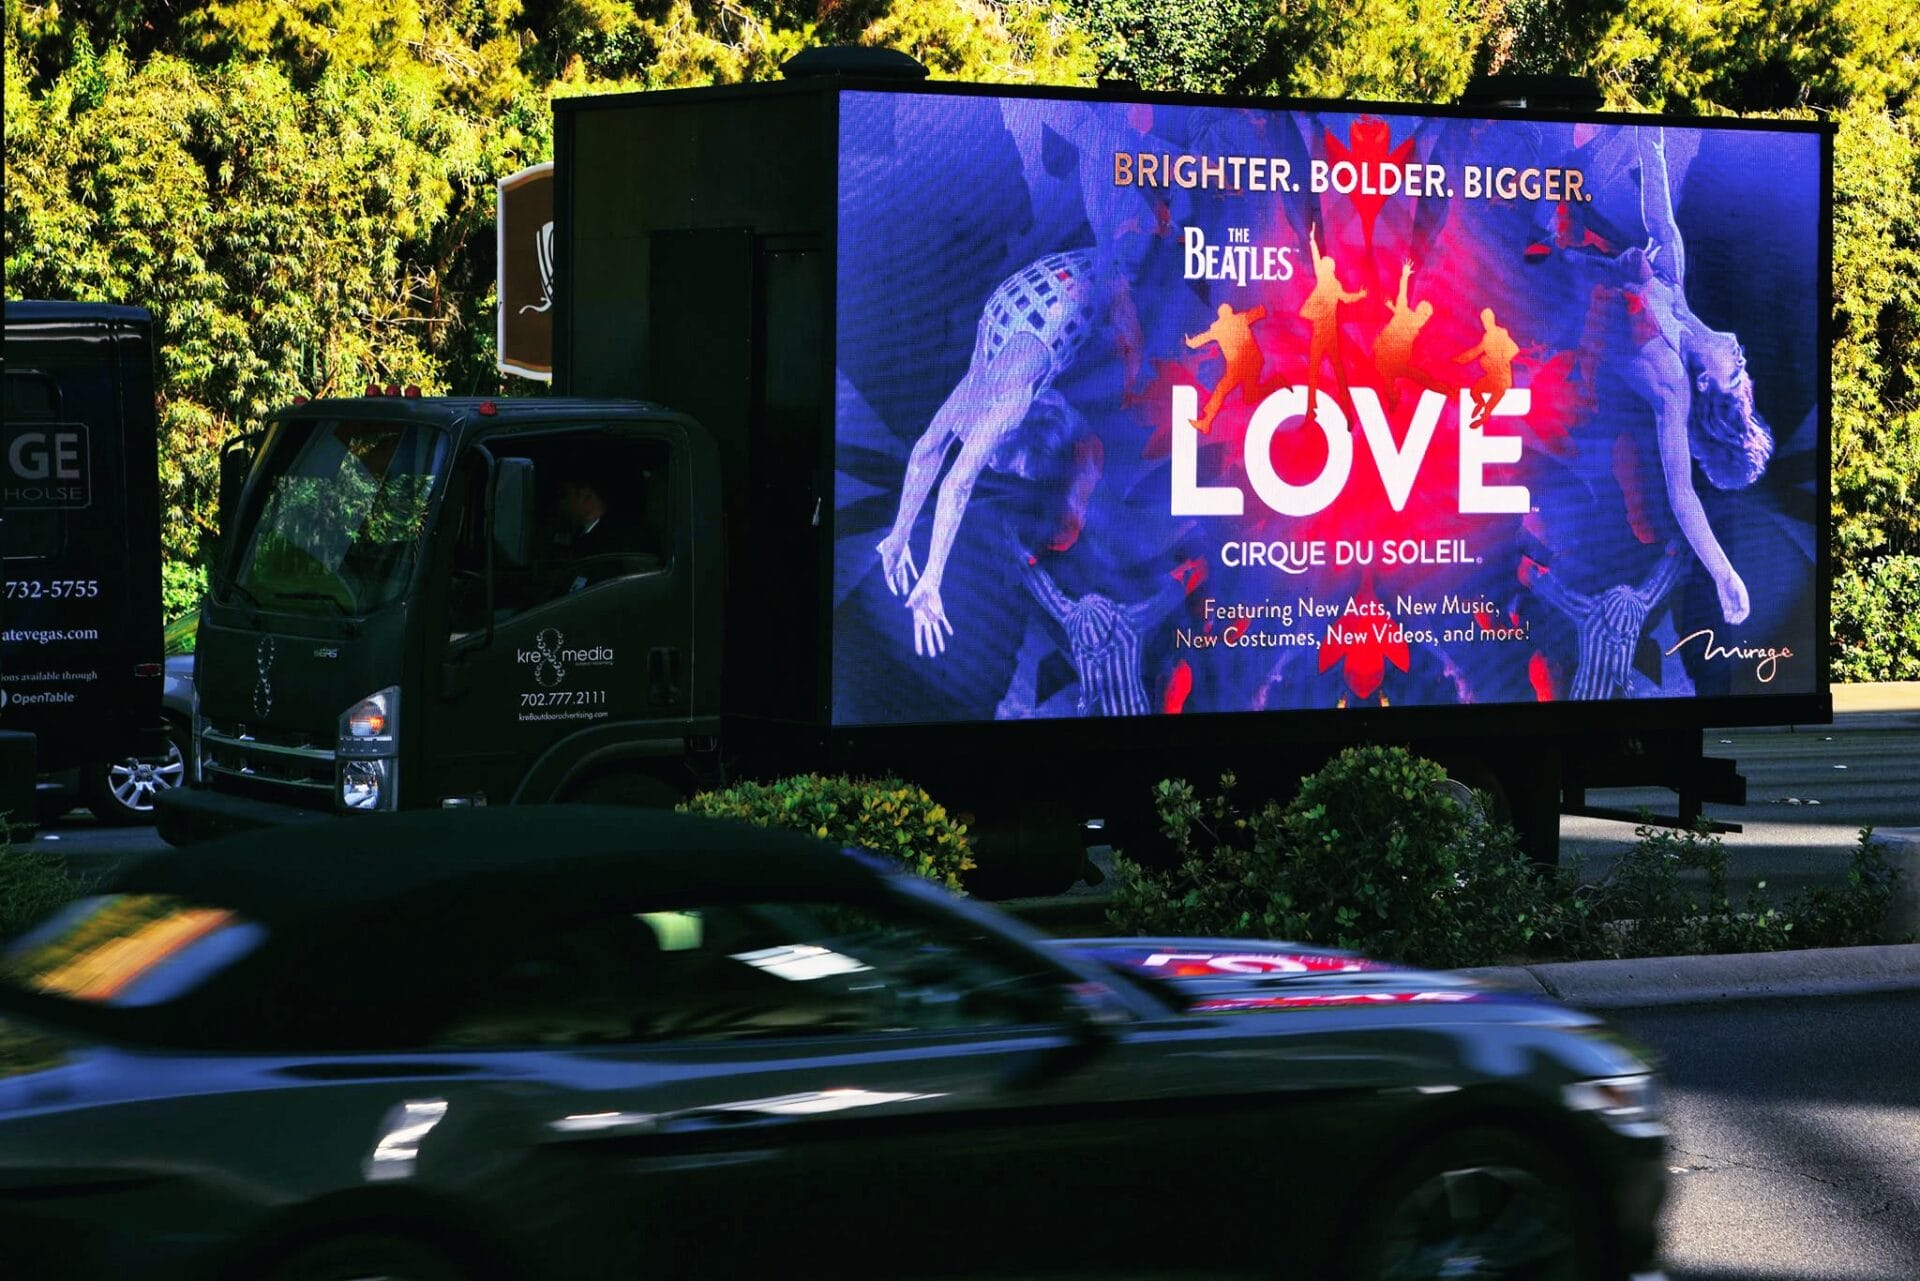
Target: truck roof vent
x=853 y=60
x=1533 y=92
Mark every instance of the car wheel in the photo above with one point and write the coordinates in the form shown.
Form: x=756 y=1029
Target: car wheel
x=122 y=791
x=1478 y=1203
x=366 y=1258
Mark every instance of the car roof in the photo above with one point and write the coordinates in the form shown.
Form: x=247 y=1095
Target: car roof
x=371 y=920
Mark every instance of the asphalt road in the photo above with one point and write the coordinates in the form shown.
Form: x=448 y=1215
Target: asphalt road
x=1796 y=1149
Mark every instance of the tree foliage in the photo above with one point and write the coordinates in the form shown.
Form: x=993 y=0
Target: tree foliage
x=301 y=190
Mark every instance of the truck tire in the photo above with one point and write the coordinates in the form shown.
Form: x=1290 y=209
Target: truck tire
x=1029 y=848
x=626 y=787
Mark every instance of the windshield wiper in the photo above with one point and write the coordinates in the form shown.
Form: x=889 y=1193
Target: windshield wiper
x=328 y=597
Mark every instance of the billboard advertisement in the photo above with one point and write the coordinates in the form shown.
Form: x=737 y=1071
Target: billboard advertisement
x=1156 y=409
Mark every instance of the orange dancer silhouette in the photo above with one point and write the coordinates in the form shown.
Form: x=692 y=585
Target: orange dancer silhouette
x=1495 y=351
x=1393 y=349
x=1234 y=332
x=1321 y=310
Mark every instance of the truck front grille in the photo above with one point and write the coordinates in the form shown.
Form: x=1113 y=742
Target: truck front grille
x=267 y=765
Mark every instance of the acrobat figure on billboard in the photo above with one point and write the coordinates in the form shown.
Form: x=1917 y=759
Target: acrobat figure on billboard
x=1495 y=351
x=1105 y=641
x=1609 y=623
x=1033 y=325
x=1693 y=377
x=1233 y=331
x=1393 y=349
x=1322 y=311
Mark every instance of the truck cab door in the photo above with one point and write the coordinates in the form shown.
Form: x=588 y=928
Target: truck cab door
x=574 y=649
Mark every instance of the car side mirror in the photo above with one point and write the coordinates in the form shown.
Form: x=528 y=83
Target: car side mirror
x=1092 y=1016
x=1094 y=1011
x=513 y=511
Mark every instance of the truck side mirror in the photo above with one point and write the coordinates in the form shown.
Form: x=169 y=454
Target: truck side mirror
x=235 y=460
x=513 y=511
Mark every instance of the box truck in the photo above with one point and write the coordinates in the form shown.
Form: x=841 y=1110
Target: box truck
x=1038 y=444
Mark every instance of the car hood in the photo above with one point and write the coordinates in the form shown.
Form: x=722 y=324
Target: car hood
x=1227 y=975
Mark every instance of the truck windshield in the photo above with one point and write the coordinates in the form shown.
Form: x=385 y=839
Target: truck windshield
x=339 y=528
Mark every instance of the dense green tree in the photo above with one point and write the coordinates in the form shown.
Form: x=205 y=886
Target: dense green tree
x=302 y=190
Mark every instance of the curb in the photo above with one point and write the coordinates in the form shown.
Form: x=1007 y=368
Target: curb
x=1685 y=980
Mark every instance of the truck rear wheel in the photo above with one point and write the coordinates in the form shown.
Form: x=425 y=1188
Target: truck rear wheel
x=1027 y=848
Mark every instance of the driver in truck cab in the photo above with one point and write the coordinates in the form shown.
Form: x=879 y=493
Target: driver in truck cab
x=596 y=541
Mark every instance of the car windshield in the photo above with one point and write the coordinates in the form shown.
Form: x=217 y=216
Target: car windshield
x=344 y=504
x=128 y=949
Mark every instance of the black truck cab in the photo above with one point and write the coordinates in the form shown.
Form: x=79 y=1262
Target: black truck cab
x=431 y=602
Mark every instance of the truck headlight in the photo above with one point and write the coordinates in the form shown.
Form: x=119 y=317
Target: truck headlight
x=1628 y=1104
x=367 y=752
x=367 y=785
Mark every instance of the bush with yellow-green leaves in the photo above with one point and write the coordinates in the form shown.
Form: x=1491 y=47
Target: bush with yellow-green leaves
x=885 y=815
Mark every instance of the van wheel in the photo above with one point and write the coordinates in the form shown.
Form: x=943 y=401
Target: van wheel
x=366 y=1257
x=1477 y=1203
x=627 y=787
x=122 y=791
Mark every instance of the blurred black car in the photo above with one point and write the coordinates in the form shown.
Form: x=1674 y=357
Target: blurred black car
x=584 y=1042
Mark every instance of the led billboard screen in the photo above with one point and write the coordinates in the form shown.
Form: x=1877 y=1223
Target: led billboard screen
x=1146 y=409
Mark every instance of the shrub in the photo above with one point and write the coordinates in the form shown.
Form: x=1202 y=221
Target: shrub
x=884 y=815
x=1642 y=908
x=1851 y=917
x=1372 y=854
x=33 y=883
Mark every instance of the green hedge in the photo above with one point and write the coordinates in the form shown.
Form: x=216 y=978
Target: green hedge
x=1374 y=855
x=885 y=815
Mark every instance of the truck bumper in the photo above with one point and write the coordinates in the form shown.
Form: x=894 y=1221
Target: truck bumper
x=184 y=815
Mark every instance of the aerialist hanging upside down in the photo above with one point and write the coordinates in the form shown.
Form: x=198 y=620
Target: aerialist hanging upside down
x=1693 y=377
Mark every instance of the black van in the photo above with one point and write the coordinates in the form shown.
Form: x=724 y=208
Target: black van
x=80 y=611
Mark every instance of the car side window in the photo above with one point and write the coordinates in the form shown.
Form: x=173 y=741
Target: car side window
x=737 y=971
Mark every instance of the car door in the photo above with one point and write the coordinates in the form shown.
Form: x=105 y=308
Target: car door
x=844 y=1089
